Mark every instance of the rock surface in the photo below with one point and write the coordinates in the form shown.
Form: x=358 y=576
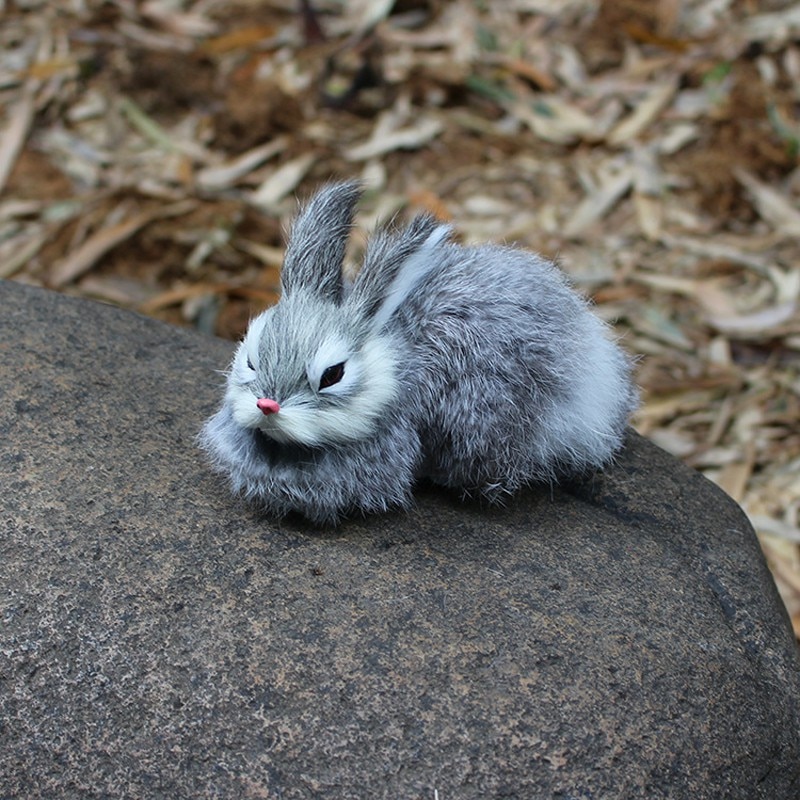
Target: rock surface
x=621 y=638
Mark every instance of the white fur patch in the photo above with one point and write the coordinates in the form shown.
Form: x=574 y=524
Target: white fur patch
x=242 y=402
x=239 y=395
x=597 y=395
x=247 y=352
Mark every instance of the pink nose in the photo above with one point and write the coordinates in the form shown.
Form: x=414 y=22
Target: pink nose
x=267 y=406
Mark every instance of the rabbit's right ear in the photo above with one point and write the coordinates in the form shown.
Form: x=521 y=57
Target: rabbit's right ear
x=315 y=252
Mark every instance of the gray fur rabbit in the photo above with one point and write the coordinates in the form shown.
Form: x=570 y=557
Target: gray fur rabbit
x=475 y=367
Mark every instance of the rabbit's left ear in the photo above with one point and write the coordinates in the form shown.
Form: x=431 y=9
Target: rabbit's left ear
x=315 y=252
x=395 y=264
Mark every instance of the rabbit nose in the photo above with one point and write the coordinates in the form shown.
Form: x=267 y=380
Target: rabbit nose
x=268 y=406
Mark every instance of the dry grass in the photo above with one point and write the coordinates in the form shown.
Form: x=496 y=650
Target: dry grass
x=151 y=153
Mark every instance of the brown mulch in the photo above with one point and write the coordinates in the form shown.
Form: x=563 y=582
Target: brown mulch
x=151 y=154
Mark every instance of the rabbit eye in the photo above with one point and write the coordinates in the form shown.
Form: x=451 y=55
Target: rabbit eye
x=332 y=375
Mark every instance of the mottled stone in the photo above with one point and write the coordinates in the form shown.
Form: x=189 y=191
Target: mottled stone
x=620 y=638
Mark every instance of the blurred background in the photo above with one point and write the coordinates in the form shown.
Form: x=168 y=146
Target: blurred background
x=152 y=154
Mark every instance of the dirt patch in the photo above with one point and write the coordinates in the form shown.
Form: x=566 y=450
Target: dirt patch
x=741 y=137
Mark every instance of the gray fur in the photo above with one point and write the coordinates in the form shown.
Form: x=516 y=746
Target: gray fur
x=497 y=375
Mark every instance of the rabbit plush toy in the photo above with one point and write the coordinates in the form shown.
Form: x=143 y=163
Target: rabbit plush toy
x=475 y=367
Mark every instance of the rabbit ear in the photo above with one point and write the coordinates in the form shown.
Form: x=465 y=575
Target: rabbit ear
x=317 y=242
x=394 y=265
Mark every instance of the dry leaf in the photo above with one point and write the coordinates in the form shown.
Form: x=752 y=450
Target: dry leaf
x=772 y=205
x=17 y=252
x=225 y=175
x=599 y=203
x=643 y=115
x=241 y=38
x=96 y=246
x=283 y=181
x=13 y=137
x=554 y=120
x=760 y=323
x=408 y=138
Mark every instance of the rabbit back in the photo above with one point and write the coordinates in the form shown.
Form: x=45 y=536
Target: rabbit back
x=514 y=379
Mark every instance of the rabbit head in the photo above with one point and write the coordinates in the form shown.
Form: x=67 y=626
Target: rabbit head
x=320 y=367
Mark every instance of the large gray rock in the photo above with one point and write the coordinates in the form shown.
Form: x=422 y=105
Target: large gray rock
x=621 y=638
